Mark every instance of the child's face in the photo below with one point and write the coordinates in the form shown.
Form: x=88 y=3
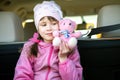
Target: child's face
x=46 y=28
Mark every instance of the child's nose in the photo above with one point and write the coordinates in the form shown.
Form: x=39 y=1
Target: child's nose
x=49 y=27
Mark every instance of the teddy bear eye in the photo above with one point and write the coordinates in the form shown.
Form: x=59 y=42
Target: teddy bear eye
x=69 y=23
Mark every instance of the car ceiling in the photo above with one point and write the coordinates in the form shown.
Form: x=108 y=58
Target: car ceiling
x=24 y=8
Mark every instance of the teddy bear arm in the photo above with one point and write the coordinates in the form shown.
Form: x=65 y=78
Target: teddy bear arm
x=77 y=34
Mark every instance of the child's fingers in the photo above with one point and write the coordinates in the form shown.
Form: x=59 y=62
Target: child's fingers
x=67 y=49
x=64 y=48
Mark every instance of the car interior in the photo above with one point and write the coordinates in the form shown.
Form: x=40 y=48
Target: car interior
x=99 y=52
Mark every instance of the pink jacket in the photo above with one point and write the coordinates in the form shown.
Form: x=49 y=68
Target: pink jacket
x=46 y=66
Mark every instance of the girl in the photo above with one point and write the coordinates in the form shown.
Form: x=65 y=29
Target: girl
x=39 y=60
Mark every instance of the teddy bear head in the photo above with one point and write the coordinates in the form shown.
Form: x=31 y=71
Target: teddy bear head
x=68 y=25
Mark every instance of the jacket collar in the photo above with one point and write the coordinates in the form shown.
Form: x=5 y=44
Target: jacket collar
x=44 y=44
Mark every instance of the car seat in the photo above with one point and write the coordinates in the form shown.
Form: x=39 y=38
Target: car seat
x=100 y=58
x=109 y=15
x=11 y=41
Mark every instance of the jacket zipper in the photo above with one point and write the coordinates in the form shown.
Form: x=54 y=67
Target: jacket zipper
x=49 y=63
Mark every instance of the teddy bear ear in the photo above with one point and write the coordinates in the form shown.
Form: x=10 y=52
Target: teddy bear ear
x=74 y=24
x=61 y=21
x=76 y=27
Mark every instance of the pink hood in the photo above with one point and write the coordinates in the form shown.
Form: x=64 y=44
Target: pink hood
x=46 y=66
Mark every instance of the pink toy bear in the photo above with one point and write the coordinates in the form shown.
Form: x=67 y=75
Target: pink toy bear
x=66 y=33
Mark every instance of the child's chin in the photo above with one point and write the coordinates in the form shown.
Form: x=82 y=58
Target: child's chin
x=50 y=39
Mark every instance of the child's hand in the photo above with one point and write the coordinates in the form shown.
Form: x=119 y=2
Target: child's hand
x=64 y=51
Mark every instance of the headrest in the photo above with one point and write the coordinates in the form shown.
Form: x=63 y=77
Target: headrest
x=109 y=15
x=11 y=29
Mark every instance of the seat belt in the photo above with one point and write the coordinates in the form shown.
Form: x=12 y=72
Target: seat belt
x=104 y=29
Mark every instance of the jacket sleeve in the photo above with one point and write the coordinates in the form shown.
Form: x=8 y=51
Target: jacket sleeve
x=71 y=69
x=23 y=69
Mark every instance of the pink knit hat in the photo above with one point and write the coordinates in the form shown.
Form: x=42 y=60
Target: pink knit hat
x=47 y=8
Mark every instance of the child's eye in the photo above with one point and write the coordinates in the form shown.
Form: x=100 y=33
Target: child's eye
x=43 y=24
x=54 y=23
